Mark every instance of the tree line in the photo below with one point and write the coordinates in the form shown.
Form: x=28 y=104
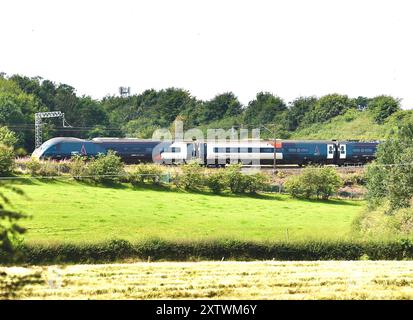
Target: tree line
x=140 y=114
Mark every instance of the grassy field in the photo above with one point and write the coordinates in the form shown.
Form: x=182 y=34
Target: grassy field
x=67 y=211
x=226 y=280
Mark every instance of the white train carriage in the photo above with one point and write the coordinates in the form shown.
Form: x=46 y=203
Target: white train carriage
x=216 y=153
x=245 y=152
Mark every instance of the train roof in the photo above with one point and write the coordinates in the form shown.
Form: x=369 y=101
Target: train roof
x=123 y=140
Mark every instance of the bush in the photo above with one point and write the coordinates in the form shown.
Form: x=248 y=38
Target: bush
x=7 y=137
x=354 y=179
x=314 y=182
x=43 y=168
x=106 y=168
x=33 y=166
x=191 y=177
x=217 y=181
x=6 y=160
x=77 y=167
x=117 y=250
x=256 y=182
x=146 y=173
x=237 y=182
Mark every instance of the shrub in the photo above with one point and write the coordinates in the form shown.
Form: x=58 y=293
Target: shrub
x=256 y=182
x=314 y=182
x=237 y=182
x=33 y=166
x=116 y=250
x=146 y=173
x=77 y=167
x=354 y=179
x=217 y=181
x=7 y=137
x=191 y=177
x=106 y=168
x=43 y=168
x=6 y=160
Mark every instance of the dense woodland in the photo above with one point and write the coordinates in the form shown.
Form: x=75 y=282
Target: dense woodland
x=138 y=115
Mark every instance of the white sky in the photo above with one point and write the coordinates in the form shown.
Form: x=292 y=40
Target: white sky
x=290 y=48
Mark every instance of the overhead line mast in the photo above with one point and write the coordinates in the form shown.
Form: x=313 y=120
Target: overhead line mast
x=38 y=124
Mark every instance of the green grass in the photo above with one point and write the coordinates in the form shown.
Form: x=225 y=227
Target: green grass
x=358 y=125
x=67 y=211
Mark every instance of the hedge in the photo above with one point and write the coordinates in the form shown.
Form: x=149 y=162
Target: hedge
x=118 y=250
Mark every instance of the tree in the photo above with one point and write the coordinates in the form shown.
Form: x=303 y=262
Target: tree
x=390 y=176
x=264 y=109
x=382 y=107
x=219 y=107
x=298 y=109
x=328 y=107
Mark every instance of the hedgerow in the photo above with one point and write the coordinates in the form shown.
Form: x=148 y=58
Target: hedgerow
x=157 y=249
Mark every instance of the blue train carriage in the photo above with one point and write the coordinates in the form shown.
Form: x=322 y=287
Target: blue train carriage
x=356 y=152
x=129 y=149
x=64 y=148
x=308 y=152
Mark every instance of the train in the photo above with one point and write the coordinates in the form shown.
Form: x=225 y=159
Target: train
x=215 y=153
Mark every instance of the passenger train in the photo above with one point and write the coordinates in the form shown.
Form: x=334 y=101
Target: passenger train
x=214 y=153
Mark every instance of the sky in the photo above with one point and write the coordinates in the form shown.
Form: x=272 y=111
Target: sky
x=289 y=48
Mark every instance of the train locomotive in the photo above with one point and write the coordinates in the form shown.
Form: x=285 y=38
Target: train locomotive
x=130 y=150
x=215 y=153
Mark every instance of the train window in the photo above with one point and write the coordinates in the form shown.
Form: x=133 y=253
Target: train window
x=368 y=150
x=292 y=150
x=330 y=150
x=267 y=150
x=302 y=150
x=356 y=150
x=243 y=150
x=342 y=150
x=249 y=150
x=234 y=150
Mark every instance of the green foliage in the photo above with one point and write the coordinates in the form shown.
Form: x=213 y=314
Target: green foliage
x=390 y=177
x=398 y=224
x=45 y=168
x=7 y=137
x=237 y=182
x=354 y=179
x=191 y=177
x=382 y=107
x=265 y=108
x=314 y=182
x=328 y=107
x=6 y=160
x=146 y=173
x=106 y=168
x=217 y=181
x=299 y=108
x=33 y=166
x=158 y=249
x=78 y=168
x=256 y=182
